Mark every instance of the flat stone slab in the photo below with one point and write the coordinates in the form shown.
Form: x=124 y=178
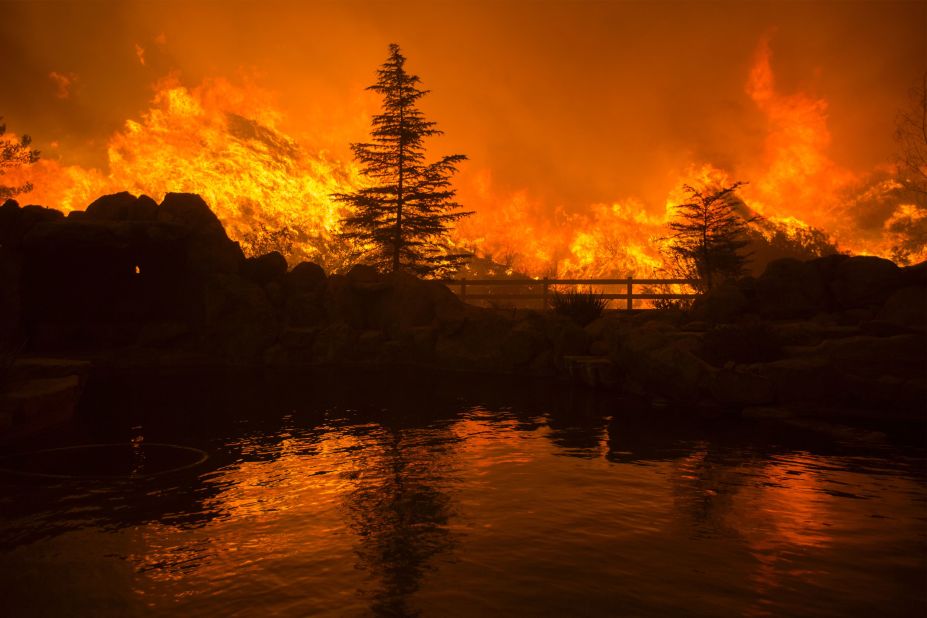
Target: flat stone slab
x=594 y=371
x=33 y=405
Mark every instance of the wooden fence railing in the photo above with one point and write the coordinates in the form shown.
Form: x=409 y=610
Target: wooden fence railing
x=544 y=285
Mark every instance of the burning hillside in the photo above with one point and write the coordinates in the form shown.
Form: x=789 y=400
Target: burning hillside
x=221 y=141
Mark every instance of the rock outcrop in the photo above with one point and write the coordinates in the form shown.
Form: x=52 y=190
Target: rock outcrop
x=132 y=281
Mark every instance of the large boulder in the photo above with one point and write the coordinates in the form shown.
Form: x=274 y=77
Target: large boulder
x=882 y=373
x=209 y=248
x=264 y=269
x=305 y=290
x=723 y=303
x=790 y=288
x=343 y=303
x=335 y=343
x=399 y=302
x=305 y=309
x=472 y=343
x=564 y=337
x=361 y=274
x=15 y=222
x=746 y=342
x=654 y=358
x=865 y=281
x=122 y=207
x=76 y=271
x=305 y=277
x=81 y=270
x=522 y=344
x=738 y=387
x=906 y=307
x=239 y=319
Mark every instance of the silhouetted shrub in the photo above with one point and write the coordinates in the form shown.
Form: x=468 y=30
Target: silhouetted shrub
x=581 y=307
x=741 y=343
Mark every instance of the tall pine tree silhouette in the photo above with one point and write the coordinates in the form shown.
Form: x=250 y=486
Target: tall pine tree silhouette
x=709 y=237
x=402 y=221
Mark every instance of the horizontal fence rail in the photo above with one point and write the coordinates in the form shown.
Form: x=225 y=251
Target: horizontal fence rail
x=629 y=296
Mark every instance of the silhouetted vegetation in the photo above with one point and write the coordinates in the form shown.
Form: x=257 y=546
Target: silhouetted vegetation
x=911 y=134
x=581 y=307
x=708 y=237
x=262 y=240
x=768 y=242
x=15 y=153
x=404 y=217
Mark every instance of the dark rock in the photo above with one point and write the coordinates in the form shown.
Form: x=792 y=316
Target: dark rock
x=16 y=222
x=122 y=207
x=864 y=281
x=418 y=343
x=209 y=249
x=592 y=371
x=305 y=309
x=860 y=371
x=361 y=273
x=342 y=303
x=473 y=344
x=35 y=367
x=32 y=215
x=597 y=328
x=521 y=345
x=276 y=293
x=741 y=388
x=372 y=347
x=808 y=333
x=298 y=338
x=882 y=328
x=675 y=372
x=741 y=343
x=828 y=265
x=654 y=358
x=565 y=337
x=723 y=303
x=240 y=322
x=906 y=307
x=789 y=288
x=36 y=404
x=915 y=275
x=305 y=277
x=114 y=207
x=264 y=269
x=402 y=301
x=161 y=333
x=447 y=305
x=334 y=343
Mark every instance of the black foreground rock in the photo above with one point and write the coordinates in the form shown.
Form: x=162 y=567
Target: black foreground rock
x=130 y=283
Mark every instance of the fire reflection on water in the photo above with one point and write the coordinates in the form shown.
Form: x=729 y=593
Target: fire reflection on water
x=396 y=519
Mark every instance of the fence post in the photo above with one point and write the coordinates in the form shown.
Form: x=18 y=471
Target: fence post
x=544 y=293
x=630 y=293
x=463 y=289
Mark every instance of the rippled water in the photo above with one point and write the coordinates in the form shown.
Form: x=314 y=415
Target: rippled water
x=451 y=503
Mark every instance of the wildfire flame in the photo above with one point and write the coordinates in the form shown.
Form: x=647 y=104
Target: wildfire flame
x=222 y=141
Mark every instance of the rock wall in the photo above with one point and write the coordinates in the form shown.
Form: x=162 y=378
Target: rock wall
x=135 y=282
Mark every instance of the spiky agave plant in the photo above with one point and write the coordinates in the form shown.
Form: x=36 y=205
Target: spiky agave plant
x=581 y=307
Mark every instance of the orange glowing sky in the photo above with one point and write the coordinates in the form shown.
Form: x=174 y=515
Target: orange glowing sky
x=569 y=106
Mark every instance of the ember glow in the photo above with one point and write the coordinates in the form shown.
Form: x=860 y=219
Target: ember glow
x=267 y=155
